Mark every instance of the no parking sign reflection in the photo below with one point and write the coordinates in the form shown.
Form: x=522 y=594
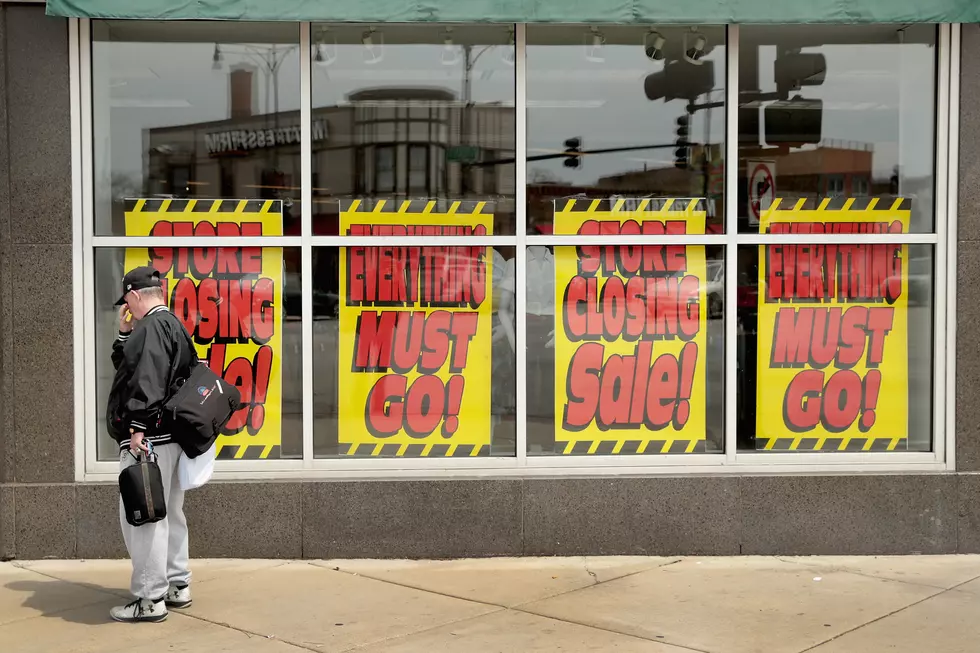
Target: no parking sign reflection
x=762 y=188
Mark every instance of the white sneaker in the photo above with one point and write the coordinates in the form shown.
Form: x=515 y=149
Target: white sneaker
x=140 y=610
x=179 y=597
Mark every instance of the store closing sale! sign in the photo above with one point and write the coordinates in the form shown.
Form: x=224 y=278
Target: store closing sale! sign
x=833 y=329
x=229 y=299
x=415 y=332
x=630 y=330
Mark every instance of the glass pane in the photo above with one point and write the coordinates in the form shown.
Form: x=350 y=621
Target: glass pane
x=242 y=305
x=623 y=111
x=835 y=347
x=418 y=170
x=195 y=110
x=414 y=352
x=384 y=169
x=844 y=111
x=633 y=361
x=447 y=89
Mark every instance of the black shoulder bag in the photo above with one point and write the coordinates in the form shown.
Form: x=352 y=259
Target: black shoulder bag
x=200 y=405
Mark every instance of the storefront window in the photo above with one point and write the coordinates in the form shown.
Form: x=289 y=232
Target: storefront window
x=414 y=352
x=835 y=347
x=837 y=111
x=242 y=306
x=625 y=350
x=196 y=134
x=194 y=110
x=657 y=326
x=836 y=136
x=624 y=112
x=433 y=107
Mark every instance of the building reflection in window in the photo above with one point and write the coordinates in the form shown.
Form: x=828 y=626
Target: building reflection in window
x=624 y=112
x=195 y=110
x=838 y=111
x=414 y=111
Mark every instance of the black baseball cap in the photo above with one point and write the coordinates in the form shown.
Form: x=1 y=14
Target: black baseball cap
x=139 y=279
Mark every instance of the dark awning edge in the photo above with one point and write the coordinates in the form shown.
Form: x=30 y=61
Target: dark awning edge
x=645 y=12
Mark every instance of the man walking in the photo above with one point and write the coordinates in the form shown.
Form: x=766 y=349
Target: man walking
x=150 y=342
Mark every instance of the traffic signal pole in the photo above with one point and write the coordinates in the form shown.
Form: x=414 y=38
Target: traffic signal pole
x=563 y=155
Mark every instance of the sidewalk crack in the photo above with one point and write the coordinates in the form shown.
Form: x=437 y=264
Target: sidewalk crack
x=892 y=613
x=855 y=572
x=423 y=631
x=585 y=566
x=389 y=581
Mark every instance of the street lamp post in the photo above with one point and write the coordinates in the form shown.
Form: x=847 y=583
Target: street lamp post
x=469 y=62
x=270 y=58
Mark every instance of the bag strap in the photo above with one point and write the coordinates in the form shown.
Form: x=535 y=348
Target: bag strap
x=172 y=377
x=194 y=362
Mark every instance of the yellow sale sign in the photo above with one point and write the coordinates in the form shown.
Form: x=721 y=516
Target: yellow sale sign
x=833 y=329
x=229 y=299
x=630 y=330
x=415 y=332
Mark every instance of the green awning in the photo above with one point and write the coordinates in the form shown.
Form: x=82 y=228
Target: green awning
x=532 y=11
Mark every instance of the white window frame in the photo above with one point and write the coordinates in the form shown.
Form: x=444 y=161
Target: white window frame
x=941 y=459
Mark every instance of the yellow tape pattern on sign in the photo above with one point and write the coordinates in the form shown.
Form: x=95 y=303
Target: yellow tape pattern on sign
x=429 y=217
x=230 y=298
x=431 y=450
x=833 y=329
x=630 y=330
x=832 y=444
x=186 y=206
x=628 y=447
x=571 y=214
x=249 y=452
x=845 y=209
x=415 y=332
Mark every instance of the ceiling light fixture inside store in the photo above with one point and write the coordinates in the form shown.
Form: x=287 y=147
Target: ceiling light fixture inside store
x=216 y=58
x=594 y=40
x=373 y=42
x=653 y=45
x=451 y=55
x=694 y=46
x=326 y=49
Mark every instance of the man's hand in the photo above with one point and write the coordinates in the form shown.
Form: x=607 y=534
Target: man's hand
x=136 y=443
x=125 y=319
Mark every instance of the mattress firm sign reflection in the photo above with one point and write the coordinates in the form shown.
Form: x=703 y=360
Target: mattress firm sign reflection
x=244 y=140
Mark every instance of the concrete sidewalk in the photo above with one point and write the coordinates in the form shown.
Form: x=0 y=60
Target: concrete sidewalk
x=660 y=605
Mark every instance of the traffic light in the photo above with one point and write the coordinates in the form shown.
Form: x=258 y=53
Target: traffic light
x=794 y=122
x=682 y=152
x=680 y=80
x=794 y=70
x=573 y=153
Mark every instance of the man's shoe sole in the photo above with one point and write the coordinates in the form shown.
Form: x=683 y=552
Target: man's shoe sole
x=147 y=620
x=180 y=606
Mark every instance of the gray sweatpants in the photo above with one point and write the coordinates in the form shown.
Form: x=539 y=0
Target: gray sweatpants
x=158 y=550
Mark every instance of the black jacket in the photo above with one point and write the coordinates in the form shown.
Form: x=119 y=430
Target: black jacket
x=144 y=362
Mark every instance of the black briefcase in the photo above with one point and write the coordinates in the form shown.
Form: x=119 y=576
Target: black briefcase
x=141 y=488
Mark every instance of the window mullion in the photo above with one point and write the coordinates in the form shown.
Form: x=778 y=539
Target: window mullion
x=731 y=245
x=943 y=109
x=520 y=264
x=306 y=252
